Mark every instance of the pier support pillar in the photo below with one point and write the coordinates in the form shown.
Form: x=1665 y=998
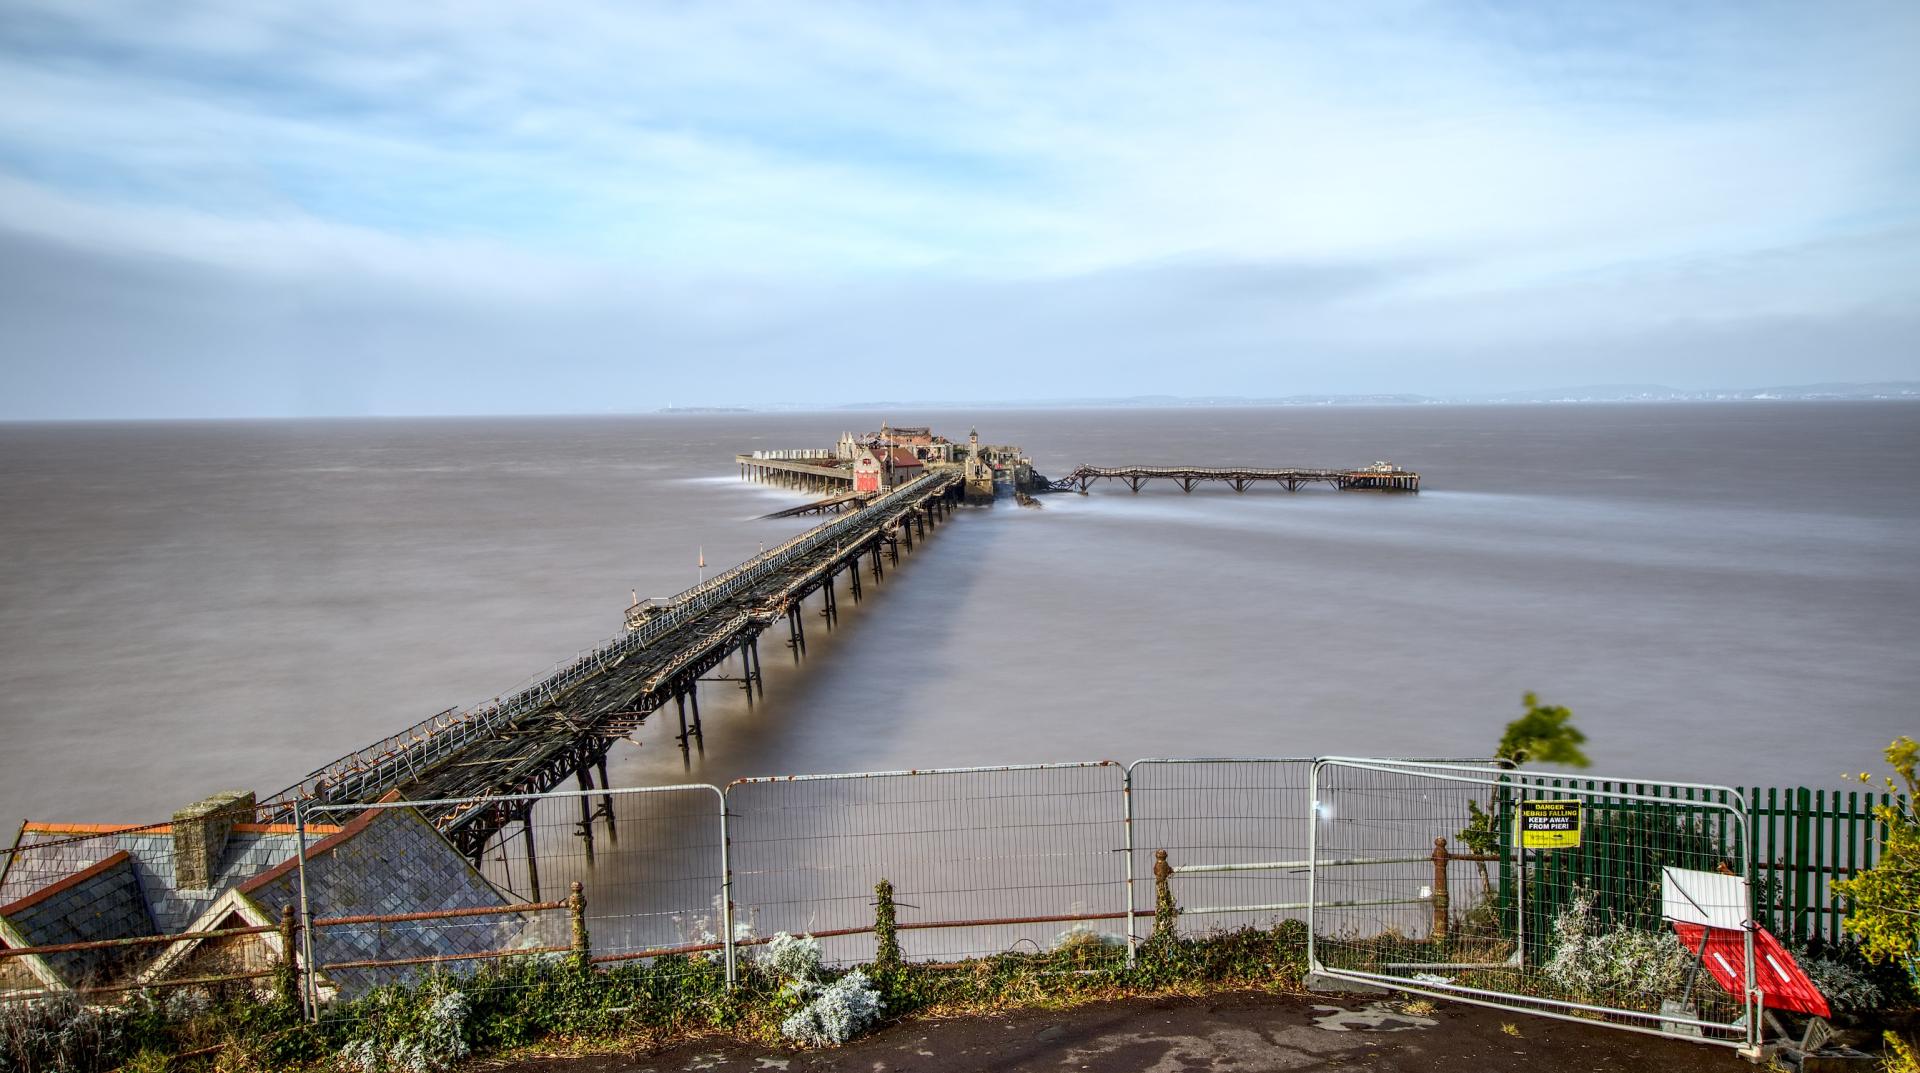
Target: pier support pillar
x=853 y=577
x=586 y=813
x=680 y=699
x=796 y=632
x=533 y=865
x=759 y=669
x=746 y=672
x=699 y=732
x=606 y=802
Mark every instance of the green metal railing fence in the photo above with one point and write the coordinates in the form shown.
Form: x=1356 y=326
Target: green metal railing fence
x=1803 y=839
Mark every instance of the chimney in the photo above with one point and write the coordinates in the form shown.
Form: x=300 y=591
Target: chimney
x=200 y=836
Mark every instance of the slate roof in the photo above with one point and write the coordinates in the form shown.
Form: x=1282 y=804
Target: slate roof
x=64 y=849
x=102 y=901
x=390 y=861
x=72 y=883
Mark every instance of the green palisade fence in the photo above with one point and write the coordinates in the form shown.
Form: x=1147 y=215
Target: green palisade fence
x=1803 y=839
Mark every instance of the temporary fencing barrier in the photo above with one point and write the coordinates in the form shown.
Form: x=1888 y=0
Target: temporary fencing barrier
x=1430 y=878
x=1406 y=874
x=643 y=870
x=1213 y=818
x=981 y=859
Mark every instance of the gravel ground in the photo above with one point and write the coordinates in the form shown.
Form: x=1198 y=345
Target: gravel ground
x=1242 y=1033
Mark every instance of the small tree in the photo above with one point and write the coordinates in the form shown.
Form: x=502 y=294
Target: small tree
x=1544 y=735
x=1885 y=899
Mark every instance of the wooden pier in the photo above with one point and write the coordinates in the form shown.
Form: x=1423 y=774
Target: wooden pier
x=1379 y=476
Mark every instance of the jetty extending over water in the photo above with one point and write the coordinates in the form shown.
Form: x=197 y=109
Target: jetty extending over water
x=888 y=490
x=1383 y=476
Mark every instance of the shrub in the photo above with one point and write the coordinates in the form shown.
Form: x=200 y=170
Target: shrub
x=826 y=1013
x=794 y=958
x=1593 y=960
x=1851 y=982
x=839 y=1012
x=58 y=1034
x=420 y=1030
x=1882 y=899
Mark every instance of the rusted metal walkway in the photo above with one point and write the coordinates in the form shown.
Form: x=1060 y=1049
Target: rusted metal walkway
x=1381 y=475
x=829 y=505
x=561 y=726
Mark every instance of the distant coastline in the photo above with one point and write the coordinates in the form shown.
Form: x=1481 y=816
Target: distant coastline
x=1897 y=390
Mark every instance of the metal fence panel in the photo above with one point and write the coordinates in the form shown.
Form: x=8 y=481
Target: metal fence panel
x=1221 y=815
x=1420 y=883
x=1043 y=845
x=648 y=863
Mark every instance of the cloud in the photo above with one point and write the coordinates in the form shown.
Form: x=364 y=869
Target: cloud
x=436 y=207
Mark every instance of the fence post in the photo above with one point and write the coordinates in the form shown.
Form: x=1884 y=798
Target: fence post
x=1440 y=858
x=1166 y=913
x=577 y=913
x=1802 y=862
x=1126 y=805
x=1313 y=865
x=287 y=980
x=312 y=986
x=886 y=938
x=726 y=890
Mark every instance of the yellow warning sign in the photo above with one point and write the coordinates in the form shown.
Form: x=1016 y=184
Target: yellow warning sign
x=1549 y=824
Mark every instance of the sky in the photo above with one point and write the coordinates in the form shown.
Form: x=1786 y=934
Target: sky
x=213 y=209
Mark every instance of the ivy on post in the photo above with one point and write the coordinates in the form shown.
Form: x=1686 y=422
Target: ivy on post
x=1165 y=912
x=886 y=936
x=581 y=954
x=286 y=979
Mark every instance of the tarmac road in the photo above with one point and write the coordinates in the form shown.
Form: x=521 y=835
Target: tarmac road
x=1241 y=1033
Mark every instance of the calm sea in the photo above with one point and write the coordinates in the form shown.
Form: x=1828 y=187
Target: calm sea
x=1720 y=593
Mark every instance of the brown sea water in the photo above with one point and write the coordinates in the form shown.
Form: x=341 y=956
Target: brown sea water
x=1720 y=593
